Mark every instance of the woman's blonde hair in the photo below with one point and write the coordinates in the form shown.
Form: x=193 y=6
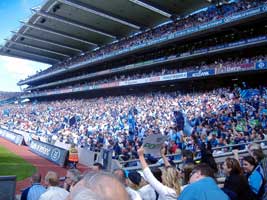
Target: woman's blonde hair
x=171 y=178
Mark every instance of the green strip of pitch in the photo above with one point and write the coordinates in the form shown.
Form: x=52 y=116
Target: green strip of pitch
x=11 y=164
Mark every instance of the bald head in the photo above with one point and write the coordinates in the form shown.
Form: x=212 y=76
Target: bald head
x=104 y=185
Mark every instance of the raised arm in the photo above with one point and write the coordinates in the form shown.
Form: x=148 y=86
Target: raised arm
x=165 y=159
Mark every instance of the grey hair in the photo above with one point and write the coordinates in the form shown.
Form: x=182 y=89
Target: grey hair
x=85 y=194
x=92 y=177
x=101 y=182
x=76 y=175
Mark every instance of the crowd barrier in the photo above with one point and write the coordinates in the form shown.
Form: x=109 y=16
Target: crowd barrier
x=87 y=157
x=11 y=136
x=55 y=154
x=58 y=152
x=219 y=158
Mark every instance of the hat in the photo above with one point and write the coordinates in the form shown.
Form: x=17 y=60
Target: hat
x=134 y=177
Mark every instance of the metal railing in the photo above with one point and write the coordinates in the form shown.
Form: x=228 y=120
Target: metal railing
x=219 y=158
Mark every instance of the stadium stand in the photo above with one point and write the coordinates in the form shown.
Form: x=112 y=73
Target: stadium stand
x=199 y=80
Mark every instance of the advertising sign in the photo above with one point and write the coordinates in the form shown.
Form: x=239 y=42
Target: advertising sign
x=200 y=73
x=261 y=65
x=11 y=136
x=50 y=152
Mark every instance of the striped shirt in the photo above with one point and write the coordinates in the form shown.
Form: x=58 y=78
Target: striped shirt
x=35 y=191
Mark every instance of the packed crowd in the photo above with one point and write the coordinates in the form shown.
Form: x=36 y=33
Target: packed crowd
x=212 y=13
x=192 y=181
x=6 y=95
x=175 y=51
x=222 y=116
x=220 y=64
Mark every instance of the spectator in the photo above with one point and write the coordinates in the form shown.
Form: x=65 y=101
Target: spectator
x=235 y=185
x=255 y=178
x=101 y=186
x=146 y=190
x=202 y=186
x=97 y=167
x=35 y=190
x=120 y=174
x=53 y=192
x=134 y=180
x=85 y=194
x=257 y=153
x=187 y=165
x=170 y=186
x=72 y=177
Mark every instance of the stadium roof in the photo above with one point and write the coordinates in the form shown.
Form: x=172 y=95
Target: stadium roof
x=64 y=28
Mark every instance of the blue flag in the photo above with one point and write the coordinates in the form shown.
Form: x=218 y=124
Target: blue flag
x=182 y=123
x=6 y=112
x=72 y=121
x=248 y=93
x=131 y=122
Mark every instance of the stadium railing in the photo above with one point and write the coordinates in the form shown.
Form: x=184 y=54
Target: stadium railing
x=219 y=158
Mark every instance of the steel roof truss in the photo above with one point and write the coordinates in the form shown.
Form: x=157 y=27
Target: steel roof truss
x=57 y=33
x=45 y=41
x=31 y=54
x=38 y=48
x=71 y=22
x=74 y=4
x=150 y=7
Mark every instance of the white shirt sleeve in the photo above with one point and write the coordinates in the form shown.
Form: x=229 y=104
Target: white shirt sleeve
x=158 y=186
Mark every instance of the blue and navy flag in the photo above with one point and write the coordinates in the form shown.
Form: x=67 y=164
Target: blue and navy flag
x=248 y=93
x=182 y=122
x=179 y=120
x=72 y=120
x=131 y=122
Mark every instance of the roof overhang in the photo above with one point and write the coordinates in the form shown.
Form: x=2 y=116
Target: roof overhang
x=65 y=28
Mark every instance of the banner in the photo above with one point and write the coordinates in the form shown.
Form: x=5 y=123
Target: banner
x=235 y=68
x=11 y=136
x=55 y=154
x=244 y=14
x=201 y=73
x=261 y=65
x=152 y=144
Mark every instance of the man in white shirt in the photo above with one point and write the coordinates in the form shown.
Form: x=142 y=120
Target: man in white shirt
x=53 y=192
